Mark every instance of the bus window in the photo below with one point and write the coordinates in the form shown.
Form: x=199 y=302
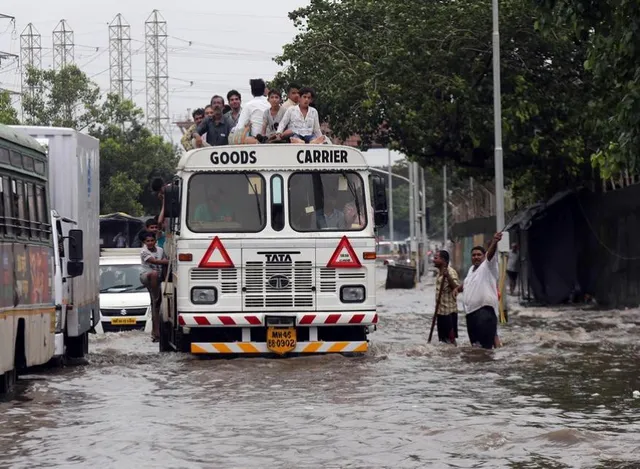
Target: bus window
x=6 y=203
x=327 y=201
x=277 y=203
x=39 y=167
x=16 y=202
x=43 y=219
x=3 y=221
x=4 y=156
x=28 y=163
x=226 y=203
x=31 y=207
x=16 y=159
x=21 y=209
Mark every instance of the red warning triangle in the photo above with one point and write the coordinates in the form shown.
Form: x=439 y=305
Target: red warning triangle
x=344 y=255
x=216 y=256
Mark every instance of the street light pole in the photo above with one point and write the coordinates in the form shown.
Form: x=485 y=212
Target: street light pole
x=445 y=220
x=390 y=201
x=497 y=118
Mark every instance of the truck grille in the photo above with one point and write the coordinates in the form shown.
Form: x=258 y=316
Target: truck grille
x=296 y=293
x=329 y=278
x=128 y=312
x=226 y=278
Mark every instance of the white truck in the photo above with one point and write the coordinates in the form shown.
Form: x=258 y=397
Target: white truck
x=272 y=251
x=74 y=177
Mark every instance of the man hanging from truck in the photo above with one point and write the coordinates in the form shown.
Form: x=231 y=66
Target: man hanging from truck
x=153 y=260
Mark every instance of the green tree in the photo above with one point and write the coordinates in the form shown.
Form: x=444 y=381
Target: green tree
x=610 y=31
x=66 y=98
x=417 y=76
x=8 y=114
x=130 y=156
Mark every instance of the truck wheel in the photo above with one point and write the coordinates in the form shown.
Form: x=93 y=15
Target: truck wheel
x=165 y=330
x=8 y=381
x=78 y=347
x=183 y=342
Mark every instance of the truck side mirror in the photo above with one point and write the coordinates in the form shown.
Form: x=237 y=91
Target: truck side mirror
x=75 y=268
x=172 y=201
x=380 y=209
x=76 y=252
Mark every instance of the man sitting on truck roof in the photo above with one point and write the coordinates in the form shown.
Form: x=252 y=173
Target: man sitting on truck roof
x=302 y=122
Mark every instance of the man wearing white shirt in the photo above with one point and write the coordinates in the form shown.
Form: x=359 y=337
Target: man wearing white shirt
x=481 y=295
x=251 y=116
x=302 y=122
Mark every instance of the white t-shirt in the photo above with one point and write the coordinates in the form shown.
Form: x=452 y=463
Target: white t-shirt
x=253 y=113
x=145 y=255
x=481 y=286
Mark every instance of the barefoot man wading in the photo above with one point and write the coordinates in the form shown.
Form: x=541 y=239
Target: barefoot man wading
x=481 y=295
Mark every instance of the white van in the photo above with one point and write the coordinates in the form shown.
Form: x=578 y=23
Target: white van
x=124 y=301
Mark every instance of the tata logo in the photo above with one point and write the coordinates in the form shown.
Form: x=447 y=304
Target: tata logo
x=278 y=282
x=278 y=258
x=123 y=312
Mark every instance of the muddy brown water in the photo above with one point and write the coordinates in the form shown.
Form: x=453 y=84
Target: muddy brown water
x=558 y=395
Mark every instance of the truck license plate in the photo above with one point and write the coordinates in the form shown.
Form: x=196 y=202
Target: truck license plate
x=123 y=321
x=281 y=340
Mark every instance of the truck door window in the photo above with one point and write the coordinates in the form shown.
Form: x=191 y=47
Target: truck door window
x=277 y=203
x=60 y=238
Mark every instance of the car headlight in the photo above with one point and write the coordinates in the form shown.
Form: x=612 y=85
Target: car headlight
x=204 y=295
x=352 y=294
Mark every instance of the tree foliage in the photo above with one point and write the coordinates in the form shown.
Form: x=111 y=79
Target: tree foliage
x=417 y=76
x=610 y=31
x=8 y=114
x=63 y=98
x=130 y=155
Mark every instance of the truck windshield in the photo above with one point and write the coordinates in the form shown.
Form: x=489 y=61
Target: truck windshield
x=120 y=278
x=327 y=201
x=226 y=202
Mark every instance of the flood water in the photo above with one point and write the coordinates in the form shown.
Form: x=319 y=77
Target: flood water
x=558 y=395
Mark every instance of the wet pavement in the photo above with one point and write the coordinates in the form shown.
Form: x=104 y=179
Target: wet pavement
x=558 y=395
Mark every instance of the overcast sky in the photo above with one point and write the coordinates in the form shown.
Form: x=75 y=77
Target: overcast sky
x=213 y=46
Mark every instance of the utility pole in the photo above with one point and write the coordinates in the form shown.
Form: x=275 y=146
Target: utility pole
x=120 y=58
x=390 y=202
x=497 y=119
x=63 y=46
x=157 y=70
x=30 y=58
x=7 y=55
x=444 y=206
x=423 y=220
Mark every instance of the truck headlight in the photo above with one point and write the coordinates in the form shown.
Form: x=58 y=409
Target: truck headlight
x=352 y=294
x=204 y=295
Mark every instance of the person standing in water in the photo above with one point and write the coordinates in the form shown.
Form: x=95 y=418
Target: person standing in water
x=481 y=295
x=447 y=281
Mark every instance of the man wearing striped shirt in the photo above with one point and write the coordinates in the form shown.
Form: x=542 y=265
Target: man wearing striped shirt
x=446 y=282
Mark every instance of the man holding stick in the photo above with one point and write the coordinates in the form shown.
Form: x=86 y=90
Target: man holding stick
x=481 y=295
x=447 y=311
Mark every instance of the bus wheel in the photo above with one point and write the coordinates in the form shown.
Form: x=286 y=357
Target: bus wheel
x=165 y=331
x=8 y=381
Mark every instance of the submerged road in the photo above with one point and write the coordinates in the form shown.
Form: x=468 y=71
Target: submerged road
x=558 y=395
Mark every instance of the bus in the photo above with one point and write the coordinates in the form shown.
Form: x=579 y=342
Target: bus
x=34 y=259
x=272 y=251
